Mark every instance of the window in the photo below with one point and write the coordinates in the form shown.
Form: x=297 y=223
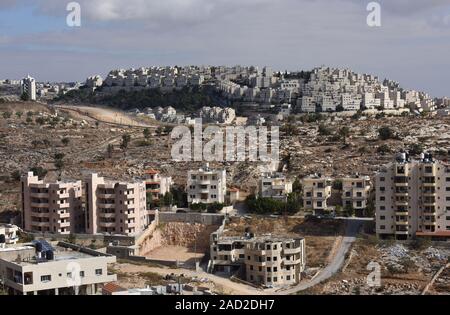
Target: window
x=269 y=269
x=275 y=279
x=382 y=217
x=382 y=179
x=98 y=272
x=269 y=280
x=275 y=258
x=275 y=269
x=251 y=267
x=382 y=227
x=82 y=274
x=288 y=278
x=46 y=278
x=249 y=258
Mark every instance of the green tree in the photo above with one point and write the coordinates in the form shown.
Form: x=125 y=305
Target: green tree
x=24 y=96
x=147 y=133
x=19 y=114
x=65 y=141
x=39 y=171
x=344 y=133
x=126 y=138
x=7 y=115
x=386 y=133
x=324 y=130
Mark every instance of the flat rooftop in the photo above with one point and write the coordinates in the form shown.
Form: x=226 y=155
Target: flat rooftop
x=62 y=252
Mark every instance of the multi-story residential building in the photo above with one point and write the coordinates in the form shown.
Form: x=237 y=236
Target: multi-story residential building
x=115 y=207
x=157 y=185
x=8 y=234
x=275 y=186
x=51 y=207
x=355 y=192
x=316 y=192
x=206 y=186
x=413 y=198
x=28 y=87
x=64 y=269
x=267 y=260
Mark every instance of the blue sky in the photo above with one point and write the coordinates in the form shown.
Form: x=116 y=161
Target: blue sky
x=412 y=45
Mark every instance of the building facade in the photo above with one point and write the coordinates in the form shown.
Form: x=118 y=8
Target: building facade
x=266 y=260
x=206 y=186
x=413 y=198
x=43 y=269
x=316 y=193
x=51 y=207
x=115 y=207
x=156 y=185
x=355 y=192
x=28 y=87
x=275 y=186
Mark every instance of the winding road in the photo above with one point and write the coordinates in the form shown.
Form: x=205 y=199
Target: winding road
x=353 y=227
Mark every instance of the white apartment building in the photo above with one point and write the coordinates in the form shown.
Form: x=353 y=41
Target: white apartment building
x=115 y=207
x=206 y=186
x=413 y=198
x=316 y=192
x=62 y=269
x=51 y=207
x=28 y=86
x=275 y=186
x=308 y=104
x=94 y=81
x=268 y=260
x=356 y=192
x=8 y=234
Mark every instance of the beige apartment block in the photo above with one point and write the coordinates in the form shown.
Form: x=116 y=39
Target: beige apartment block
x=206 y=186
x=64 y=269
x=157 y=185
x=413 y=198
x=275 y=186
x=316 y=192
x=51 y=207
x=356 y=191
x=268 y=261
x=115 y=207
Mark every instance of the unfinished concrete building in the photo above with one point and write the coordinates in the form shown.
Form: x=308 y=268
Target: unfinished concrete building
x=51 y=207
x=413 y=198
x=115 y=207
x=266 y=260
x=316 y=192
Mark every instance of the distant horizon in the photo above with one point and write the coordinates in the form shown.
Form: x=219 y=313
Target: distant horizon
x=411 y=46
x=103 y=75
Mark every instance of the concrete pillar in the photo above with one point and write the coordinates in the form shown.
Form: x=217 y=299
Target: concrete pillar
x=93 y=289
x=35 y=292
x=56 y=291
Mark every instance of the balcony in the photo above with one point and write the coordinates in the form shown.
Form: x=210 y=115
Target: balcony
x=106 y=196
x=402 y=213
x=292 y=251
x=401 y=232
x=63 y=224
x=64 y=215
x=107 y=224
x=401 y=184
x=403 y=194
x=39 y=205
x=403 y=203
x=63 y=205
x=402 y=222
x=39 y=195
x=40 y=214
x=107 y=206
x=107 y=215
x=40 y=224
x=64 y=196
x=429 y=184
x=429 y=222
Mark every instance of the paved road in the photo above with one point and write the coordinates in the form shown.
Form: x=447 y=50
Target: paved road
x=352 y=229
